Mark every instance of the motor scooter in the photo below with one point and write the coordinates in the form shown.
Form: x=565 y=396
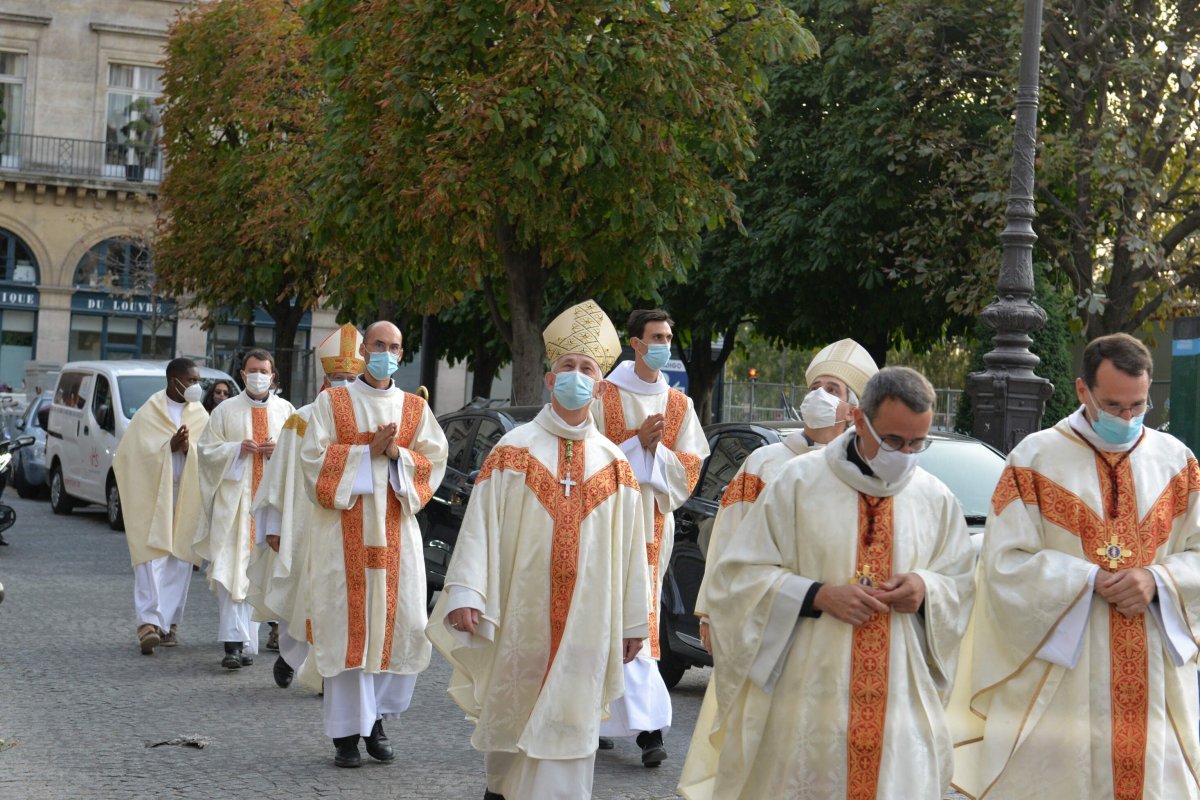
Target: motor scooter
x=8 y=514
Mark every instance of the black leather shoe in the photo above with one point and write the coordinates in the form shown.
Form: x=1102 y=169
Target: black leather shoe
x=283 y=673
x=653 y=752
x=347 y=752
x=245 y=659
x=233 y=655
x=489 y=795
x=378 y=746
x=606 y=743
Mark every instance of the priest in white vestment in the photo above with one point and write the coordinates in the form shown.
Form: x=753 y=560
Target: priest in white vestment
x=657 y=429
x=1078 y=678
x=158 y=480
x=234 y=449
x=837 y=608
x=372 y=456
x=282 y=511
x=546 y=592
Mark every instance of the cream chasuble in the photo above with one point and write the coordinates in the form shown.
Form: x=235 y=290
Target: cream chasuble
x=552 y=546
x=157 y=523
x=667 y=476
x=279 y=580
x=366 y=593
x=814 y=708
x=1059 y=695
x=228 y=481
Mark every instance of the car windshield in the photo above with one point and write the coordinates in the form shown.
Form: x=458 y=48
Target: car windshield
x=970 y=469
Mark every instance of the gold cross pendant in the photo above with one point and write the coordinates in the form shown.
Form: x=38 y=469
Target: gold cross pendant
x=864 y=577
x=1113 y=552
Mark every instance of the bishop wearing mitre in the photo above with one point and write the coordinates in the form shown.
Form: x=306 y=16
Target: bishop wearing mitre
x=283 y=512
x=372 y=455
x=657 y=429
x=546 y=591
x=234 y=449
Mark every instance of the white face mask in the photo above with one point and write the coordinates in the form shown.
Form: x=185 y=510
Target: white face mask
x=258 y=383
x=890 y=466
x=193 y=393
x=820 y=409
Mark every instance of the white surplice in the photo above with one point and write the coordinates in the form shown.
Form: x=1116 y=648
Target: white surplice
x=1058 y=694
x=667 y=475
x=811 y=708
x=551 y=551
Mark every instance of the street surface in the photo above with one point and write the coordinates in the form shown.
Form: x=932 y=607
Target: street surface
x=79 y=703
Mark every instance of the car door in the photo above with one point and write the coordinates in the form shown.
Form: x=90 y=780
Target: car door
x=100 y=439
x=67 y=427
x=443 y=515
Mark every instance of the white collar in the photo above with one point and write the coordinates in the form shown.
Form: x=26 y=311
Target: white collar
x=552 y=422
x=624 y=377
x=173 y=404
x=256 y=403
x=1080 y=423
x=362 y=384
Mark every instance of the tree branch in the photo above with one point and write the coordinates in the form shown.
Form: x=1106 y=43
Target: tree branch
x=503 y=326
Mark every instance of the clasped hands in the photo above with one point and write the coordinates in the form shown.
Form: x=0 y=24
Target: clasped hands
x=855 y=604
x=1130 y=590
x=384 y=441
x=467 y=620
x=251 y=447
x=651 y=431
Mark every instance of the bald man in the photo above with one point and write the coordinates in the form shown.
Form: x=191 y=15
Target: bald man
x=372 y=456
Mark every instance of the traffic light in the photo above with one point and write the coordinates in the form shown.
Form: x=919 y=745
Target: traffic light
x=752 y=374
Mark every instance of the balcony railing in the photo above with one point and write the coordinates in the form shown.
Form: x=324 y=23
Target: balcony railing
x=79 y=158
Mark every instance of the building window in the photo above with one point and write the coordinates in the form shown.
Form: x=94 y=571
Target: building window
x=132 y=122
x=118 y=338
x=116 y=312
x=117 y=264
x=16 y=260
x=12 y=105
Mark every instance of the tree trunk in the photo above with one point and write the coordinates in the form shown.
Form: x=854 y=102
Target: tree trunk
x=429 y=356
x=287 y=318
x=703 y=369
x=526 y=282
x=485 y=365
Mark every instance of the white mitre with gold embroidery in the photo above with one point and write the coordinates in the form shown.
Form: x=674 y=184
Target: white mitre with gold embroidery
x=584 y=329
x=340 y=351
x=847 y=360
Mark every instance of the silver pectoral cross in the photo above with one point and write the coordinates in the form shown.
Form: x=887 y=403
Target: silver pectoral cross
x=567 y=484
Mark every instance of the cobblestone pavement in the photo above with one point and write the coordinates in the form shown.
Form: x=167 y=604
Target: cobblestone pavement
x=79 y=703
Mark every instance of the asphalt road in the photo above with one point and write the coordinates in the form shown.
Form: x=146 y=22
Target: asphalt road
x=79 y=704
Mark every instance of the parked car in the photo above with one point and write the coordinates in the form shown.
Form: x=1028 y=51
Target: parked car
x=969 y=467
x=28 y=469
x=91 y=408
x=471 y=433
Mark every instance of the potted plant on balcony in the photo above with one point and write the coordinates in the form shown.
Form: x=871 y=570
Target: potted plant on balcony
x=141 y=137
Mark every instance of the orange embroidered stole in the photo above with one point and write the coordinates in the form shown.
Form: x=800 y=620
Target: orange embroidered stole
x=260 y=432
x=870 y=648
x=617 y=433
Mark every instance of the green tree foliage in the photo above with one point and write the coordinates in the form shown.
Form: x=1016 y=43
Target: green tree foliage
x=241 y=120
x=491 y=145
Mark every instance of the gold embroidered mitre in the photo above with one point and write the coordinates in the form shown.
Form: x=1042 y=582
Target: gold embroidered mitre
x=847 y=360
x=585 y=329
x=340 y=351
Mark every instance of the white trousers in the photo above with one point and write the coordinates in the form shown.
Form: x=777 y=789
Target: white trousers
x=355 y=699
x=294 y=651
x=160 y=589
x=519 y=777
x=234 y=623
x=646 y=704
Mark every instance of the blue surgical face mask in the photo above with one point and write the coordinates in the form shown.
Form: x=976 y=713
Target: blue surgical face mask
x=337 y=383
x=382 y=365
x=657 y=356
x=573 y=390
x=1114 y=429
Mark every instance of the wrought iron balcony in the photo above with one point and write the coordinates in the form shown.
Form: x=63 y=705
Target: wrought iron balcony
x=51 y=156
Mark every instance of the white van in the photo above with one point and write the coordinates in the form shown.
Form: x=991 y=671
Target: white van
x=93 y=403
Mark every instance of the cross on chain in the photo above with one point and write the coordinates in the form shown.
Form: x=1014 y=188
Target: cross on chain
x=566 y=482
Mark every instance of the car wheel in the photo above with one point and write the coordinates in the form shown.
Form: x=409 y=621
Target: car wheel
x=25 y=489
x=670 y=666
x=116 y=519
x=60 y=501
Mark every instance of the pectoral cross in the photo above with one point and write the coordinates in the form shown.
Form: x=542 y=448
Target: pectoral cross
x=864 y=577
x=1113 y=552
x=567 y=483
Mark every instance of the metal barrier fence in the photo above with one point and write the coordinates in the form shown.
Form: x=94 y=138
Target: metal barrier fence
x=747 y=401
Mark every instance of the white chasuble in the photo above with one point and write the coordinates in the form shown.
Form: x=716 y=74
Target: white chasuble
x=228 y=481
x=552 y=547
x=366 y=593
x=157 y=521
x=667 y=475
x=814 y=708
x=1059 y=695
x=279 y=580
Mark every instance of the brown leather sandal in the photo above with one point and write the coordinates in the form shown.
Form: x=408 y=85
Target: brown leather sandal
x=148 y=638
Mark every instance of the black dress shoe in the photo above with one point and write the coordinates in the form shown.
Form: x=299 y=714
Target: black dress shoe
x=233 y=655
x=283 y=673
x=606 y=743
x=347 y=752
x=378 y=746
x=653 y=752
x=490 y=795
x=246 y=660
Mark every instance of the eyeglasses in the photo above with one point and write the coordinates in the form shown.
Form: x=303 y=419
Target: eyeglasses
x=1135 y=410
x=892 y=443
x=220 y=393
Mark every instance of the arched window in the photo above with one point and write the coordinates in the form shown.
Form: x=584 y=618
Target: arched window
x=117 y=264
x=18 y=264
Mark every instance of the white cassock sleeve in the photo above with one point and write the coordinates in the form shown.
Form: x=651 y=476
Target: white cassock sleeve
x=1166 y=612
x=1065 y=643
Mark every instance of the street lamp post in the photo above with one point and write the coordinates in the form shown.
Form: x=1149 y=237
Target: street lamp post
x=1007 y=398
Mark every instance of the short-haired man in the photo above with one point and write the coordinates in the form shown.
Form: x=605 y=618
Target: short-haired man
x=837 y=608
x=158 y=480
x=1081 y=681
x=657 y=429
x=234 y=449
x=546 y=592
